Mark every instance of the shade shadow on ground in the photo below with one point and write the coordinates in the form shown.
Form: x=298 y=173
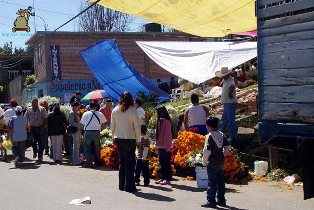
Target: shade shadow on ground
x=154 y=196
x=229 y=208
x=160 y=188
x=187 y=188
x=27 y=166
x=231 y=190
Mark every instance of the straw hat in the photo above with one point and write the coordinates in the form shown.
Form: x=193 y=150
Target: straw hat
x=223 y=72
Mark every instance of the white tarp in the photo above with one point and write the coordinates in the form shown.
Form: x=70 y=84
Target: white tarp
x=198 y=61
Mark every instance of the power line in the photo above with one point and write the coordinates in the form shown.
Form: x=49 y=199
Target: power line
x=7 y=17
x=75 y=17
x=44 y=10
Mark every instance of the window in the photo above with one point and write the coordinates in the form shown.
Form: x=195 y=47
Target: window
x=38 y=54
x=40 y=93
x=13 y=74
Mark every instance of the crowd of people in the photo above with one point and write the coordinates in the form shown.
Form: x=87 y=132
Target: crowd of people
x=126 y=120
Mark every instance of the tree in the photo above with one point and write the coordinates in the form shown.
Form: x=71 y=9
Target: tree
x=99 y=18
x=29 y=80
x=7 y=49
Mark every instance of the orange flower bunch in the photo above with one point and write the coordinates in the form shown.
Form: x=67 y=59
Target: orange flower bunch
x=186 y=143
x=109 y=157
x=81 y=112
x=231 y=166
x=154 y=167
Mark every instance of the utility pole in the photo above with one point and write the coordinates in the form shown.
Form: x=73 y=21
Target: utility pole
x=34 y=15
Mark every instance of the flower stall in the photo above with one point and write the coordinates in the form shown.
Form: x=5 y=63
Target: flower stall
x=188 y=154
x=109 y=152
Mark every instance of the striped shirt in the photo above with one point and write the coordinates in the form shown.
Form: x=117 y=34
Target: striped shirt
x=140 y=148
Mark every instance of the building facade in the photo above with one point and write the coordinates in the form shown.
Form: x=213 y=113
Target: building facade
x=60 y=70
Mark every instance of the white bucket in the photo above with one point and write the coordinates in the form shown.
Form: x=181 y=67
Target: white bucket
x=201 y=177
x=260 y=168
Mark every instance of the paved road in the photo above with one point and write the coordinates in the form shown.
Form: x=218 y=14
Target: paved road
x=48 y=186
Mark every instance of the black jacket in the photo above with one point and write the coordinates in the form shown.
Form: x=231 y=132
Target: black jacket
x=56 y=123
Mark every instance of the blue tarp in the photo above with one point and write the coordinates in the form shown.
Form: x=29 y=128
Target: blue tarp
x=116 y=75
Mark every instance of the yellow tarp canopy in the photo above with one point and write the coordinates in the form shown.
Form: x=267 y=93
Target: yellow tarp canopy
x=205 y=18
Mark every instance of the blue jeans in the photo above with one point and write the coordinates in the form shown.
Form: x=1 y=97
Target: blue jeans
x=228 y=117
x=37 y=139
x=45 y=141
x=216 y=185
x=92 y=147
x=76 y=147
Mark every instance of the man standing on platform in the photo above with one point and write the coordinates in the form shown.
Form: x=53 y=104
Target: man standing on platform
x=229 y=101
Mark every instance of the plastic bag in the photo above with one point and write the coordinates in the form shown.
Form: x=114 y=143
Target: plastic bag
x=7 y=144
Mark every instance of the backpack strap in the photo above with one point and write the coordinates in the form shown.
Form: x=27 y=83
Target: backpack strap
x=96 y=117
x=91 y=119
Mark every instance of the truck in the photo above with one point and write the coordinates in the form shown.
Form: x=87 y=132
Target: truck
x=285 y=30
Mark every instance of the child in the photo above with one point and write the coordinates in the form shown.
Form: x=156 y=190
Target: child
x=180 y=125
x=216 y=146
x=164 y=144
x=143 y=156
x=18 y=131
x=3 y=152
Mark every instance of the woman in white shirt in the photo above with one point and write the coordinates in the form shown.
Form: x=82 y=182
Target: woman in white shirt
x=126 y=132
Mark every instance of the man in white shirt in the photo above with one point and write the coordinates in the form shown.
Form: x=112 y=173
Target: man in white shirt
x=93 y=122
x=229 y=101
x=140 y=110
x=9 y=113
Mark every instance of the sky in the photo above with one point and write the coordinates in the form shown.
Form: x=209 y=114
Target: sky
x=53 y=12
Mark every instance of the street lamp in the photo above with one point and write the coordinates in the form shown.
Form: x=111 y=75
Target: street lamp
x=43 y=21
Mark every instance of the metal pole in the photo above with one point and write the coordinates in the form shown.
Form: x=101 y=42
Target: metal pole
x=43 y=21
x=34 y=15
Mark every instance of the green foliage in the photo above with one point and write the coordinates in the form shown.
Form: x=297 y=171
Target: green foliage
x=148 y=100
x=151 y=124
x=252 y=75
x=30 y=79
x=7 y=49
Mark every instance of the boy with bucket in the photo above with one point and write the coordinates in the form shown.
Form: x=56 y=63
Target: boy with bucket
x=216 y=146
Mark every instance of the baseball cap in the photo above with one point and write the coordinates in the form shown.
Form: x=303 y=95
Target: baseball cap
x=19 y=109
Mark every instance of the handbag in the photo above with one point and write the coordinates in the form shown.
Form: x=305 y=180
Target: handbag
x=71 y=129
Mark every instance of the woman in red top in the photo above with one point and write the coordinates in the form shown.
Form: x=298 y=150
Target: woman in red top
x=107 y=110
x=164 y=144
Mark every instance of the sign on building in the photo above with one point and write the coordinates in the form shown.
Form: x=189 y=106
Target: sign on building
x=55 y=62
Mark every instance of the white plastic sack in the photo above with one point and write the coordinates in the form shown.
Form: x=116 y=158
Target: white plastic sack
x=214 y=92
x=81 y=201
